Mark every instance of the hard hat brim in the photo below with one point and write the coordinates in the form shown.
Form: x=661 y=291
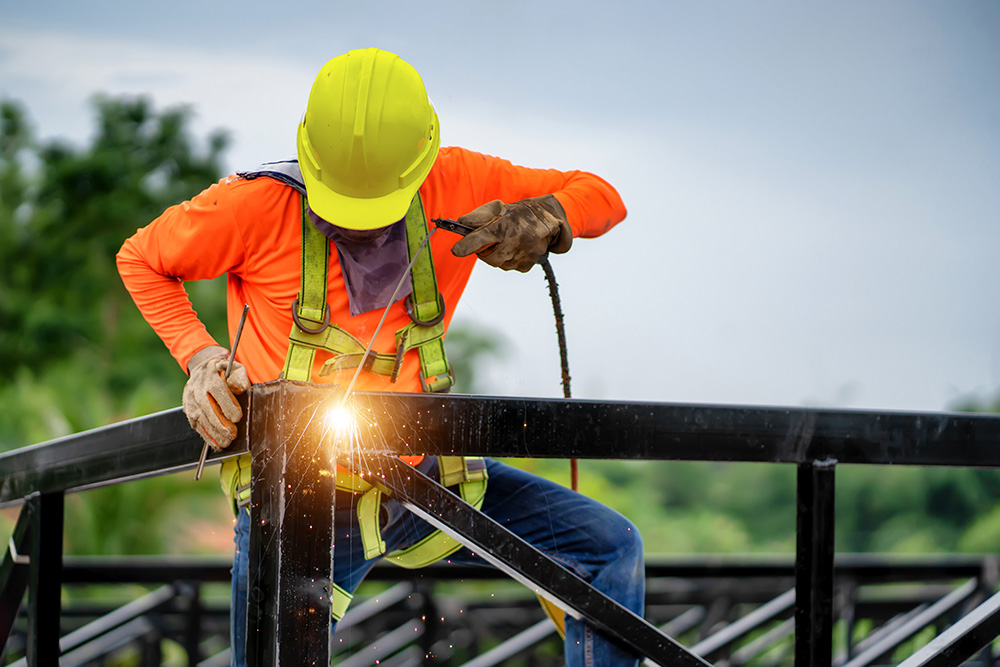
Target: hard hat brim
x=354 y=213
x=359 y=213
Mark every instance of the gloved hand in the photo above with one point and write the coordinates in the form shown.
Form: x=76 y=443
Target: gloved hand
x=515 y=236
x=209 y=401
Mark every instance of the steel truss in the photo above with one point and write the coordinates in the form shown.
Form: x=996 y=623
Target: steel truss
x=291 y=573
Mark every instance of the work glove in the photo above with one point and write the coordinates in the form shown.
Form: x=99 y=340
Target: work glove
x=515 y=236
x=209 y=399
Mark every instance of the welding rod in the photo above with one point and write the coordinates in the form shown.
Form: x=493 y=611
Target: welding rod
x=229 y=369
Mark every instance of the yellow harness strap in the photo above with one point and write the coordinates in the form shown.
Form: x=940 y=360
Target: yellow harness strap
x=312 y=329
x=468 y=475
x=472 y=487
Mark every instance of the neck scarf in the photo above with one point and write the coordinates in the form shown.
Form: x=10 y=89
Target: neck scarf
x=371 y=269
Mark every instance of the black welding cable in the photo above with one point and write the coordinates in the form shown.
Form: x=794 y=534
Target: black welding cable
x=550 y=278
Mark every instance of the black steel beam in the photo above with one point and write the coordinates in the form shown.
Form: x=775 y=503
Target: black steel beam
x=117 y=618
x=146 y=569
x=14 y=572
x=962 y=640
x=521 y=427
x=712 y=646
x=131 y=633
x=814 y=564
x=526 y=427
x=888 y=643
x=500 y=547
x=387 y=644
x=156 y=444
x=864 y=568
x=360 y=613
x=763 y=642
x=509 y=648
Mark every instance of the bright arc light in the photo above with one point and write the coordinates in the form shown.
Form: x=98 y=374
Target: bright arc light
x=340 y=419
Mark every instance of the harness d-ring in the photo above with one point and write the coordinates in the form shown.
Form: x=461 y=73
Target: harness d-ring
x=410 y=310
x=303 y=328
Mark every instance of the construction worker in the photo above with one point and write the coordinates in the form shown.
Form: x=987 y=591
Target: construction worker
x=370 y=175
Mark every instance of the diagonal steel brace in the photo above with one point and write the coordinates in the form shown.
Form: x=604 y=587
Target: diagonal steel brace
x=520 y=560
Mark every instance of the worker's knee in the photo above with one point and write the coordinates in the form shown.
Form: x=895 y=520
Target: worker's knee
x=617 y=541
x=629 y=551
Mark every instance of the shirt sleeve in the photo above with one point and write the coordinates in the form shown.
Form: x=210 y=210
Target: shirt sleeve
x=194 y=240
x=592 y=205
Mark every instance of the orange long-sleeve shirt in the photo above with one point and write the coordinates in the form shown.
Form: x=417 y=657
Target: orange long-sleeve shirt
x=250 y=230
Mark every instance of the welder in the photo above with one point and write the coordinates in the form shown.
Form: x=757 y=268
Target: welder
x=317 y=248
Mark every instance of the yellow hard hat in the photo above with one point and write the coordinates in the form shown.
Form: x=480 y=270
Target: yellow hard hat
x=368 y=139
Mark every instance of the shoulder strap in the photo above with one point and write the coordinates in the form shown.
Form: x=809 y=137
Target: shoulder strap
x=286 y=171
x=310 y=312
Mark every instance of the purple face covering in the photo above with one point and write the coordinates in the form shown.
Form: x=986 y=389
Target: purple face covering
x=371 y=267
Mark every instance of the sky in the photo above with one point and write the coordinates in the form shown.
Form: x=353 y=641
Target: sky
x=812 y=187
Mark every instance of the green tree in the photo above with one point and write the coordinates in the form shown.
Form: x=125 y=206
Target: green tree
x=75 y=351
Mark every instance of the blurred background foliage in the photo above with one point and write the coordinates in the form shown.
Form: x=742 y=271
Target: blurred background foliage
x=76 y=354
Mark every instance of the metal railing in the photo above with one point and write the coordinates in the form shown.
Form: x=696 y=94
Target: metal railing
x=816 y=441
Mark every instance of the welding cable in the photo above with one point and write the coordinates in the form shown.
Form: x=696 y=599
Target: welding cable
x=550 y=278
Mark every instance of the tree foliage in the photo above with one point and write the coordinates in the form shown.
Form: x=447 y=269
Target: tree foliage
x=71 y=342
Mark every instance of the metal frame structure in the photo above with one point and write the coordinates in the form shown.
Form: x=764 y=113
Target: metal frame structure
x=816 y=441
x=715 y=604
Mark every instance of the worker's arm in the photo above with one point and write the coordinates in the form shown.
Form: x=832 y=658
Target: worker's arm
x=592 y=206
x=518 y=214
x=195 y=240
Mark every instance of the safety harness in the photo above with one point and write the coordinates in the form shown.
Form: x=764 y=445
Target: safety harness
x=312 y=330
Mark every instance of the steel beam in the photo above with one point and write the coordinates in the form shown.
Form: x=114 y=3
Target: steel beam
x=498 y=546
x=946 y=605
x=509 y=648
x=962 y=640
x=521 y=427
x=14 y=572
x=155 y=444
x=814 y=564
x=524 y=427
x=712 y=646
x=135 y=609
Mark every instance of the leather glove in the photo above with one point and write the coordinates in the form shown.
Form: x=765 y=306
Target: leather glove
x=209 y=401
x=515 y=236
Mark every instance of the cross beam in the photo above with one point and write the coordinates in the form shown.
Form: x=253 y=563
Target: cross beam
x=162 y=443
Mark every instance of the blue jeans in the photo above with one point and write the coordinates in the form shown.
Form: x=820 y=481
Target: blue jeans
x=591 y=540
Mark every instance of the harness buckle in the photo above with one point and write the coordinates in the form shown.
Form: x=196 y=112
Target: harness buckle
x=400 y=351
x=302 y=327
x=411 y=311
x=441 y=384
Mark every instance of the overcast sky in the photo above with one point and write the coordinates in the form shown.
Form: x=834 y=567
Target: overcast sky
x=812 y=187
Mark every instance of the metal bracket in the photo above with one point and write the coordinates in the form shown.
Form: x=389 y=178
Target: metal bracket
x=14 y=556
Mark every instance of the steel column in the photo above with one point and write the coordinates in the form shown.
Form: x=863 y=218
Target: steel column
x=814 y=564
x=45 y=579
x=289 y=618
